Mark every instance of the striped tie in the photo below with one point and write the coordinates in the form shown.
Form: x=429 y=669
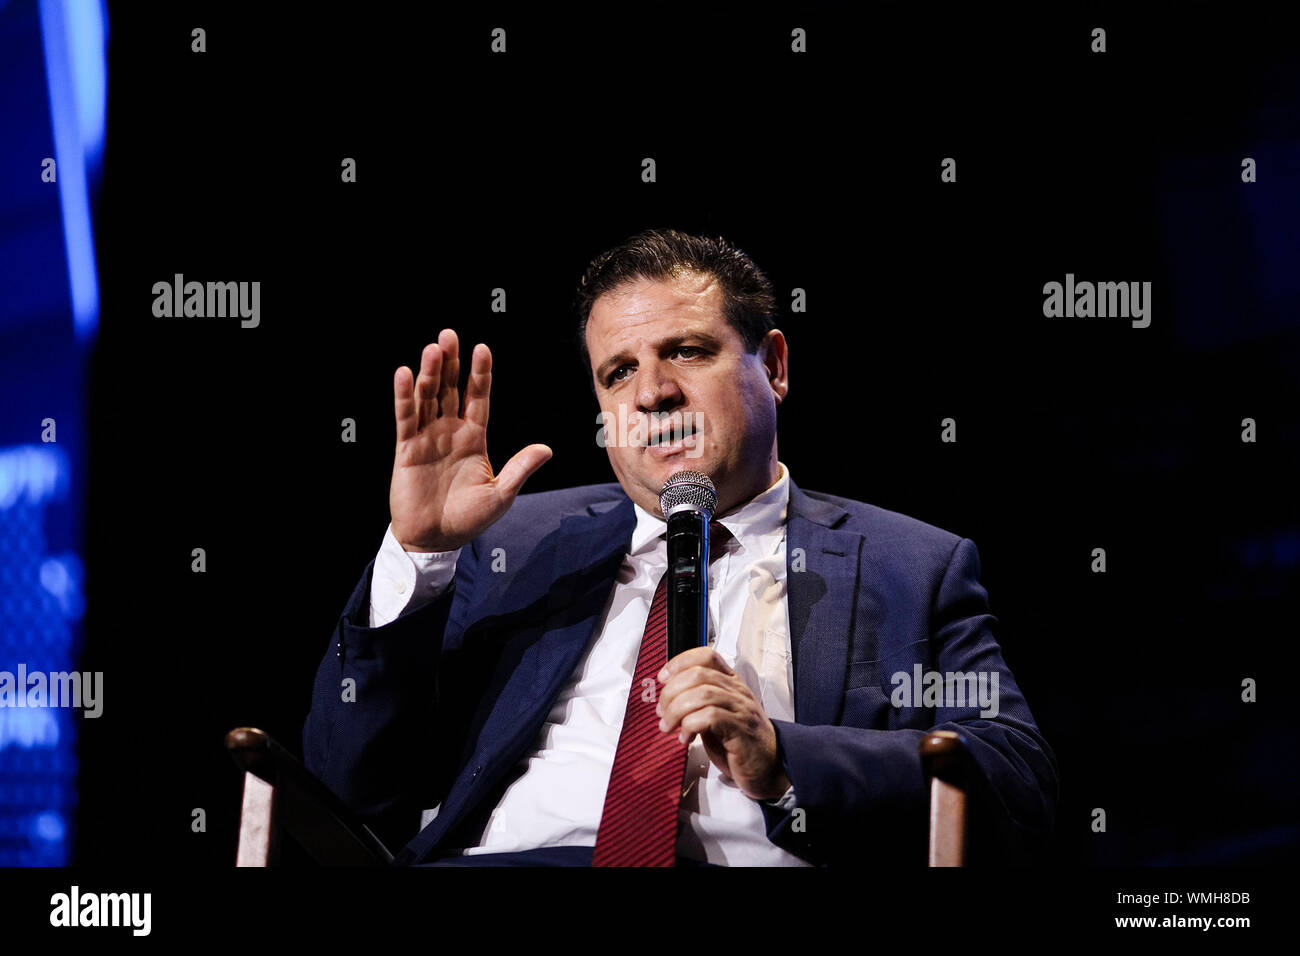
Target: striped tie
x=638 y=826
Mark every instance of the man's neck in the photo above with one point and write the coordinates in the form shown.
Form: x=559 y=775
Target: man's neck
x=776 y=477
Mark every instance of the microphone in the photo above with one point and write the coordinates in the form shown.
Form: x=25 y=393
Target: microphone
x=688 y=500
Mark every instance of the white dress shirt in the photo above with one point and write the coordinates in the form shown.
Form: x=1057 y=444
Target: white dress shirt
x=558 y=798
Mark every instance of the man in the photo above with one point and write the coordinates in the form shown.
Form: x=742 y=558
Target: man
x=484 y=665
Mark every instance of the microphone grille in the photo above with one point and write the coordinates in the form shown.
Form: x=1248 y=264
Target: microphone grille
x=688 y=487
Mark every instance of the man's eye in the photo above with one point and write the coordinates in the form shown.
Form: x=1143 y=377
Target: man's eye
x=617 y=375
x=693 y=350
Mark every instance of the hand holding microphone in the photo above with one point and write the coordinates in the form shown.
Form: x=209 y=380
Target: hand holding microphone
x=701 y=693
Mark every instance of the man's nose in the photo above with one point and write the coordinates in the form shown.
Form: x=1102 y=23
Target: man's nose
x=656 y=388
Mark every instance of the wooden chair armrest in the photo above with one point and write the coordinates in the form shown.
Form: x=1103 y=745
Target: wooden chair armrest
x=945 y=761
x=280 y=793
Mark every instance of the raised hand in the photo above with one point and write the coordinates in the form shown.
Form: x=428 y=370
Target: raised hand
x=443 y=491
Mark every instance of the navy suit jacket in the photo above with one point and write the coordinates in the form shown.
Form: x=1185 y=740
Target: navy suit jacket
x=450 y=697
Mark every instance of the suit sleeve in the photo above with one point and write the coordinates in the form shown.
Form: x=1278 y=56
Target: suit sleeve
x=371 y=733
x=861 y=793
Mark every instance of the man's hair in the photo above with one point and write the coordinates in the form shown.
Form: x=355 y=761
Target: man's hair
x=748 y=302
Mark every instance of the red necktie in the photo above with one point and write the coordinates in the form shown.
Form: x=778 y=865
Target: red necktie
x=638 y=826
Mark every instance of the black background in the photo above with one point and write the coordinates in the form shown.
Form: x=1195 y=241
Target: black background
x=478 y=171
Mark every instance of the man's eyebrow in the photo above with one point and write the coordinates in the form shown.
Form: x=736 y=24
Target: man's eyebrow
x=663 y=345
x=695 y=337
x=610 y=364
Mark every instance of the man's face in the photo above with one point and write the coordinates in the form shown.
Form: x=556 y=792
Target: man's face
x=665 y=347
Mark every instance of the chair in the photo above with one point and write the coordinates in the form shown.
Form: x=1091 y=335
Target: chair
x=282 y=796
x=945 y=761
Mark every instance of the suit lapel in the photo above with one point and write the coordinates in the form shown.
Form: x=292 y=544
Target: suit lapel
x=822 y=584
x=591 y=550
x=588 y=551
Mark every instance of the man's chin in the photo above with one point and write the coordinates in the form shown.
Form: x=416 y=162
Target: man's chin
x=656 y=470
x=647 y=475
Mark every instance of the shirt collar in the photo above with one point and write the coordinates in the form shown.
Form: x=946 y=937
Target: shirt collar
x=761 y=515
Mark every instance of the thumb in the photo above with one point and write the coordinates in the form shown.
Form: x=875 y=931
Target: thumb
x=520 y=468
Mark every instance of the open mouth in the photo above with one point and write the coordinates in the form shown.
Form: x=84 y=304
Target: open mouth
x=671 y=436
x=672 y=442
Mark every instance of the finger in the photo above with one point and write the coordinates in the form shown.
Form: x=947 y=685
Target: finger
x=693 y=677
x=404 y=411
x=426 y=386
x=695 y=657
x=697 y=698
x=715 y=720
x=519 y=468
x=480 y=385
x=449 y=387
x=700 y=678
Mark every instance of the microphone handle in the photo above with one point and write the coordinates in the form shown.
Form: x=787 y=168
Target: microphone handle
x=688 y=581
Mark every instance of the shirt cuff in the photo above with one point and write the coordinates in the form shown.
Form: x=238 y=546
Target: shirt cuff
x=786 y=801
x=406 y=579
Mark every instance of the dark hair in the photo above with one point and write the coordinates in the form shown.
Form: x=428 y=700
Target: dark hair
x=748 y=303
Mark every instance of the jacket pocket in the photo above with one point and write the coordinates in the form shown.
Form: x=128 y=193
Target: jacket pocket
x=862 y=673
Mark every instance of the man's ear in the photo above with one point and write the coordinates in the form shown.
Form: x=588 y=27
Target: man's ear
x=774 y=353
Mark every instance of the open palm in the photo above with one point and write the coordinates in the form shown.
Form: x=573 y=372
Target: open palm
x=444 y=492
